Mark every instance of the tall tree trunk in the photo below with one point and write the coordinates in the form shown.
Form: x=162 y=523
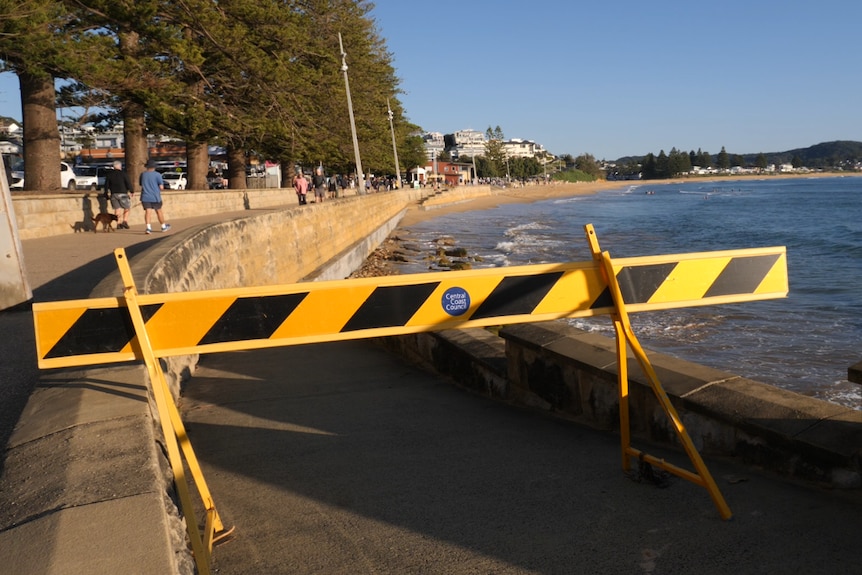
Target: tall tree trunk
x=135 y=142
x=197 y=165
x=236 y=169
x=134 y=122
x=41 y=135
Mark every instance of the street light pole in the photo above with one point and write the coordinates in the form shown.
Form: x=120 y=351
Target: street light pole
x=475 y=174
x=434 y=157
x=360 y=175
x=394 y=148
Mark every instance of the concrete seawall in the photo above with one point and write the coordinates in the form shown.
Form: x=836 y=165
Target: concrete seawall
x=457 y=195
x=44 y=215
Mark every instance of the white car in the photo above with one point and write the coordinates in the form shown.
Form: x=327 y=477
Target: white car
x=86 y=178
x=175 y=180
x=68 y=179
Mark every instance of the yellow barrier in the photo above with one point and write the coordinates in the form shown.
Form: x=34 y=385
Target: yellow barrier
x=147 y=327
x=95 y=331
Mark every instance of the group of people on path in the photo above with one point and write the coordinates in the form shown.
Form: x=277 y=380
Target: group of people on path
x=119 y=191
x=321 y=186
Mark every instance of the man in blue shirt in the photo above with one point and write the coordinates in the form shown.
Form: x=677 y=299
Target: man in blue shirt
x=152 y=185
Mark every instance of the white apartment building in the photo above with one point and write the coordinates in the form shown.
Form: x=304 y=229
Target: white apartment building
x=469 y=143
x=518 y=148
x=434 y=144
x=473 y=143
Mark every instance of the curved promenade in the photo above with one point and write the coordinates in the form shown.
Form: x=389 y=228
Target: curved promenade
x=85 y=489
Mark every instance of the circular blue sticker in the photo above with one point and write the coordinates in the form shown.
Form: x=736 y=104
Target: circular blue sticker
x=456 y=301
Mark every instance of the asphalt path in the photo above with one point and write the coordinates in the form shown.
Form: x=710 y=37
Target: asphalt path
x=341 y=458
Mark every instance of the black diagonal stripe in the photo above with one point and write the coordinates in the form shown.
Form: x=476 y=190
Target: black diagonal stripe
x=742 y=275
x=516 y=295
x=604 y=300
x=252 y=318
x=639 y=283
x=390 y=306
x=99 y=331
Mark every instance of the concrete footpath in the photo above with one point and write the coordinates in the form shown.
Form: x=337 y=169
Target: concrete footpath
x=342 y=458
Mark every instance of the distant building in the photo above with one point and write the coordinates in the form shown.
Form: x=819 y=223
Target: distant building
x=450 y=173
x=517 y=148
x=434 y=144
x=9 y=129
x=470 y=143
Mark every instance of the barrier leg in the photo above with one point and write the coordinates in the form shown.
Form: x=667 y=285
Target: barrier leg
x=623 y=390
x=173 y=430
x=625 y=336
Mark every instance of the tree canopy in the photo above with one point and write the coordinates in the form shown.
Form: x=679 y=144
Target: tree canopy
x=260 y=77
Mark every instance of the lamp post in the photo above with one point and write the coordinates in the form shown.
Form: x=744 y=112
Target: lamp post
x=434 y=158
x=360 y=175
x=394 y=148
x=475 y=173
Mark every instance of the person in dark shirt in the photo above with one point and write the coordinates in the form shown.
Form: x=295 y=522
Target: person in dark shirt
x=118 y=189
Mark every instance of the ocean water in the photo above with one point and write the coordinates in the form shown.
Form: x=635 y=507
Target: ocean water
x=803 y=343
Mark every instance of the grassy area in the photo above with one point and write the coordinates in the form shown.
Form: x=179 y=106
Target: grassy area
x=573 y=176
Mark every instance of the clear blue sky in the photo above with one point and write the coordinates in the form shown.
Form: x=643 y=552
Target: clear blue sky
x=624 y=78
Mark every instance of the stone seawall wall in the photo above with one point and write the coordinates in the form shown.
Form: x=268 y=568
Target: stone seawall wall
x=457 y=195
x=43 y=215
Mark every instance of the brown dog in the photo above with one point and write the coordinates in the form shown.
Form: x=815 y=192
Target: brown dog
x=105 y=220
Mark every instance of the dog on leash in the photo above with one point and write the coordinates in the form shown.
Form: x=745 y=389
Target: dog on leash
x=105 y=220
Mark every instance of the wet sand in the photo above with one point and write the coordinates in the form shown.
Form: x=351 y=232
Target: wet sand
x=526 y=194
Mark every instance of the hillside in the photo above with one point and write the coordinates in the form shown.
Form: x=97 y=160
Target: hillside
x=825 y=154
x=820 y=155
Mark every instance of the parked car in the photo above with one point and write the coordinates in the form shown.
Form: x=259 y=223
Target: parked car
x=175 y=180
x=68 y=179
x=86 y=178
x=16 y=173
x=101 y=171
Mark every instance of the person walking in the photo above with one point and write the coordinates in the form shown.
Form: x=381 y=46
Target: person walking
x=300 y=184
x=119 y=191
x=152 y=185
x=318 y=181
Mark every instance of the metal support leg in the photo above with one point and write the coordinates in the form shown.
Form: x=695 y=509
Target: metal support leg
x=176 y=440
x=625 y=337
